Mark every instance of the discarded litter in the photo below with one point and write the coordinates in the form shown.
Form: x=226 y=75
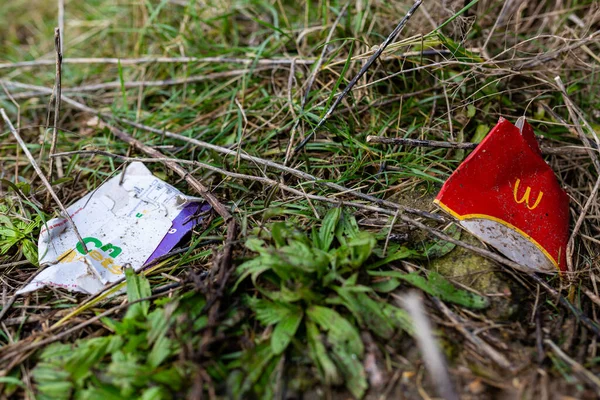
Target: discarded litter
x=127 y=221
x=505 y=194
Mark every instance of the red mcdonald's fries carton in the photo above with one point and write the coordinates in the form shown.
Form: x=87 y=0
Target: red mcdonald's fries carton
x=505 y=194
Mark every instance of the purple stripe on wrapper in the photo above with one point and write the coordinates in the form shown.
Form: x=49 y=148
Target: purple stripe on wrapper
x=183 y=223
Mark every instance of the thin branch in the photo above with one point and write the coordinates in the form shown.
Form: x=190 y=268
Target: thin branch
x=235 y=175
x=193 y=182
x=586 y=375
x=41 y=175
x=479 y=343
x=303 y=175
x=362 y=71
x=61 y=23
x=465 y=145
x=134 y=84
x=317 y=67
x=272 y=62
x=592 y=326
x=544 y=58
x=57 y=100
x=247 y=157
x=572 y=108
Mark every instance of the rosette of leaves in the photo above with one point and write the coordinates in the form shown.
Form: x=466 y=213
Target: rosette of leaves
x=136 y=361
x=313 y=294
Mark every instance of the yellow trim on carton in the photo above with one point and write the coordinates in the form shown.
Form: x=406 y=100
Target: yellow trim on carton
x=498 y=220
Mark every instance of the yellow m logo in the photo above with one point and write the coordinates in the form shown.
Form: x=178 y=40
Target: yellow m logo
x=525 y=197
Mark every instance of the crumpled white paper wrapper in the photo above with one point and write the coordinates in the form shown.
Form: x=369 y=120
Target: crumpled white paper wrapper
x=123 y=225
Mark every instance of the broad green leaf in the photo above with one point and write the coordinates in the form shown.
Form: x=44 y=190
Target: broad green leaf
x=253 y=268
x=158 y=324
x=255 y=362
x=368 y=312
x=255 y=244
x=278 y=233
x=104 y=392
x=439 y=248
x=340 y=332
x=385 y=286
x=480 y=133
x=171 y=377
x=328 y=226
x=126 y=372
x=30 y=251
x=56 y=351
x=395 y=253
x=347 y=228
x=297 y=259
x=296 y=294
x=318 y=353
x=438 y=286
x=270 y=312
x=471 y=110
x=86 y=355
x=154 y=393
x=353 y=371
x=361 y=247
x=56 y=390
x=138 y=288
x=284 y=331
x=356 y=250
x=161 y=350
x=11 y=380
x=399 y=318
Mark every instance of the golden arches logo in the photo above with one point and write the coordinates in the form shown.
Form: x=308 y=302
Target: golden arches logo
x=525 y=197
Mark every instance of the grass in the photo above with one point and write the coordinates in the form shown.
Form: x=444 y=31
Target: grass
x=323 y=316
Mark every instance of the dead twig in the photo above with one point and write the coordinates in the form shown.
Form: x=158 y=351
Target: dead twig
x=173 y=166
x=592 y=326
x=57 y=100
x=256 y=160
x=136 y=84
x=479 y=343
x=544 y=58
x=464 y=145
x=235 y=175
x=579 y=369
x=225 y=269
x=41 y=175
x=573 y=112
x=362 y=71
x=199 y=60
